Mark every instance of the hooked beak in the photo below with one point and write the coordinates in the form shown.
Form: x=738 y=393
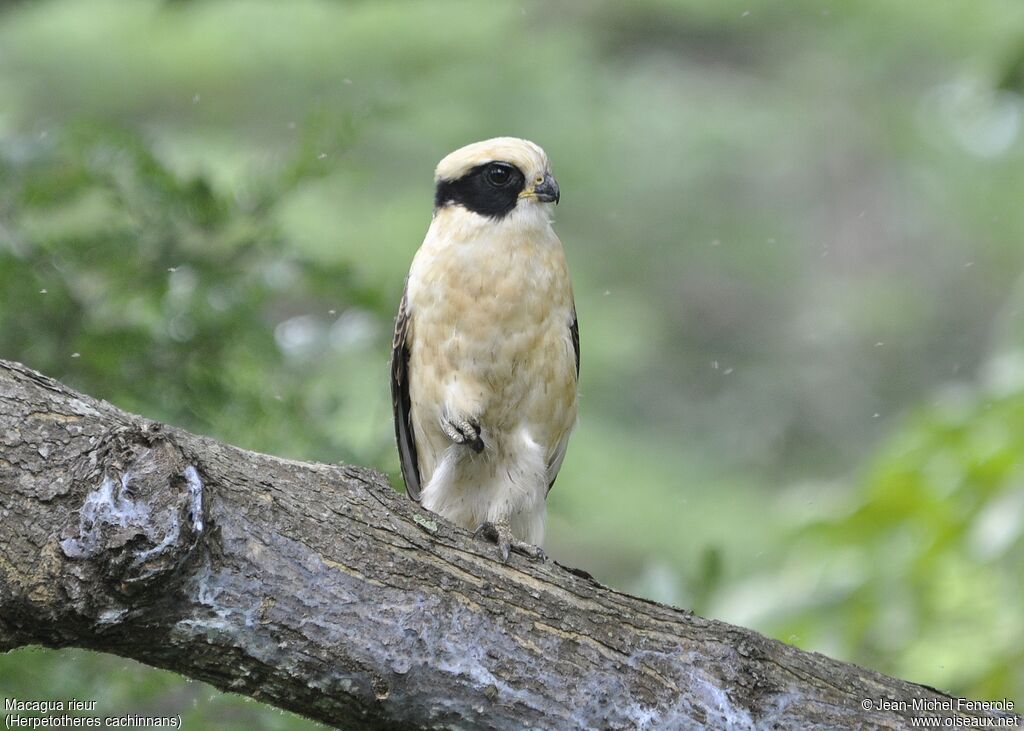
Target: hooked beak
x=547 y=189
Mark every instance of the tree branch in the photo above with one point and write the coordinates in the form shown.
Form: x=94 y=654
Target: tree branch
x=319 y=589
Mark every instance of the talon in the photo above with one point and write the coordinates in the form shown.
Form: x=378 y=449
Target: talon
x=464 y=431
x=471 y=430
x=500 y=534
x=497 y=533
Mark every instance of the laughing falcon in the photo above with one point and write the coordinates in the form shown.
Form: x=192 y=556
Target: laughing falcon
x=486 y=351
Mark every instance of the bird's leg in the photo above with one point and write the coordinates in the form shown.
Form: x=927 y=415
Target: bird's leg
x=500 y=533
x=463 y=430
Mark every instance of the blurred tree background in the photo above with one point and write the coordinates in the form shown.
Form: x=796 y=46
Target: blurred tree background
x=796 y=233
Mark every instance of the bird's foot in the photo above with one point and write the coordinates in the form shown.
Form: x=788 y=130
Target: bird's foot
x=500 y=533
x=463 y=431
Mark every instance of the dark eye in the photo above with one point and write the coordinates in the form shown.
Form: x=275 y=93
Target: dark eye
x=499 y=175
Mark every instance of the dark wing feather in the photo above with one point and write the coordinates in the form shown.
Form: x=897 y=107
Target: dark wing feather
x=574 y=331
x=556 y=462
x=400 y=401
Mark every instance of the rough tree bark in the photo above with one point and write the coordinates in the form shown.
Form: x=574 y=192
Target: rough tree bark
x=319 y=589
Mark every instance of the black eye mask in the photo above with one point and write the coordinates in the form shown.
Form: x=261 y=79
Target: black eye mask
x=491 y=189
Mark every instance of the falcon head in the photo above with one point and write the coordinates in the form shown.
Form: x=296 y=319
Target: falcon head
x=495 y=178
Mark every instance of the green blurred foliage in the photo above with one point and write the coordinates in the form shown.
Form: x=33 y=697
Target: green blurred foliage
x=918 y=572
x=789 y=224
x=152 y=290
